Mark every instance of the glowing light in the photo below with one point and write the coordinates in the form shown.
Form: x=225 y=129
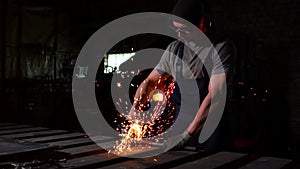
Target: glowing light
x=158 y=97
x=119 y=84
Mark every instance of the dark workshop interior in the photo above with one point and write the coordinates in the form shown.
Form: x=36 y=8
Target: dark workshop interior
x=40 y=41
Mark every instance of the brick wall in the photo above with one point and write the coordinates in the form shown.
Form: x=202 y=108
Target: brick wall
x=2 y=34
x=273 y=26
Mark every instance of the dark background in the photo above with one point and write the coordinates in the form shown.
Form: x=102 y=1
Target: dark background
x=40 y=41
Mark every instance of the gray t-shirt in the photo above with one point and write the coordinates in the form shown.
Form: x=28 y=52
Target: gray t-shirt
x=216 y=58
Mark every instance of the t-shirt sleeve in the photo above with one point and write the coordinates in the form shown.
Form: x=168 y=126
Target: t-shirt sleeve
x=224 y=57
x=164 y=64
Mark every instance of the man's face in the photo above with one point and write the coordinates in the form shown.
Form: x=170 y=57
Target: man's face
x=185 y=32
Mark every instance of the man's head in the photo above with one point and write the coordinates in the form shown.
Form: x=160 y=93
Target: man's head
x=194 y=11
x=185 y=31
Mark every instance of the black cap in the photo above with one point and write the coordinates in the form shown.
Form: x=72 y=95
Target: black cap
x=190 y=10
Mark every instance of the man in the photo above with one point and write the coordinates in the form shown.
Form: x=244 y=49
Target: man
x=184 y=60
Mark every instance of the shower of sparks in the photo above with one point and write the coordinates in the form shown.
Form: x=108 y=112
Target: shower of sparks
x=148 y=123
x=132 y=138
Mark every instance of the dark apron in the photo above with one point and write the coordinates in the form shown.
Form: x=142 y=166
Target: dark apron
x=186 y=91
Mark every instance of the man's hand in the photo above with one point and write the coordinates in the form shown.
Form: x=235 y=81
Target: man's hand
x=185 y=139
x=141 y=97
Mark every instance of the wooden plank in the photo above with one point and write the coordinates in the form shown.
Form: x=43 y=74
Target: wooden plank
x=212 y=161
x=134 y=151
x=22 y=130
x=83 y=150
x=158 y=161
x=267 y=162
x=33 y=134
x=6 y=124
x=137 y=151
x=76 y=142
x=60 y=136
x=71 y=143
x=87 y=149
x=12 y=150
x=14 y=127
x=97 y=160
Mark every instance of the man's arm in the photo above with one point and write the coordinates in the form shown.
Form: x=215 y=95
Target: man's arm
x=215 y=92
x=142 y=93
x=220 y=73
